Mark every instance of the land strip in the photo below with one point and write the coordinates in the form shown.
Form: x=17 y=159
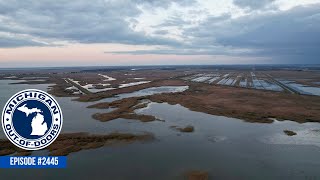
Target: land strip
x=74 y=142
x=248 y=104
x=83 y=90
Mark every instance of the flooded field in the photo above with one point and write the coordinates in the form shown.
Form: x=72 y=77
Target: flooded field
x=250 y=79
x=160 y=90
x=218 y=145
x=239 y=79
x=153 y=90
x=302 y=89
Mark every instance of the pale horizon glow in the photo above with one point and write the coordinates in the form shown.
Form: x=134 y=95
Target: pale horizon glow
x=90 y=55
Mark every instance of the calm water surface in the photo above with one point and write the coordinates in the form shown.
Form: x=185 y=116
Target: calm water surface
x=227 y=148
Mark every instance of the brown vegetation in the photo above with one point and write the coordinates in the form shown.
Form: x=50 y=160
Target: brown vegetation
x=186 y=129
x=196 y=175
x=125 y=109
x=110 y=93
x=74 y=142
x=290 y=133
x=248 y=104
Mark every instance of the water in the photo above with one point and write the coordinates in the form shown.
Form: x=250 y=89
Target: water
x=77 y=118
x=7 y=90
x=147 y=92
x=309 y=90
x=154 y=90
x=270 y=86
x=306 y=89
x=227 y=148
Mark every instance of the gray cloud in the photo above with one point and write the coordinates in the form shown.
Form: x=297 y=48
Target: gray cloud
x=11 y=42
x=252 y=4
x=286 y=36
x=291 y=35
x=98 y=21
x=164 y=3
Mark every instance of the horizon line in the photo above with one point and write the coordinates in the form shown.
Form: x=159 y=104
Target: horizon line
x=102 y=66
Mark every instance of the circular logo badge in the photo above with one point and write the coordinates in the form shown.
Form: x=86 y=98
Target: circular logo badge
x=32 y=119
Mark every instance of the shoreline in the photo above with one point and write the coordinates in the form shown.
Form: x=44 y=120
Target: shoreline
x=73 y=142
x=244 y=104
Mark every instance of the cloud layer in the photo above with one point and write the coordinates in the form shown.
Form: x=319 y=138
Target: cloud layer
x=266 y=28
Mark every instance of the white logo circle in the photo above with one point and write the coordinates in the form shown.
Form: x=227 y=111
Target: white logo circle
x=32 y=119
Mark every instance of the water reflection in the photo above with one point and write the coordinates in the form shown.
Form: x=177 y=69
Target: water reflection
x=227 y=148
x=147 y=92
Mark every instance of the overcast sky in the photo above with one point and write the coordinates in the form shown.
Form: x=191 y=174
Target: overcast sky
x=153 y=32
